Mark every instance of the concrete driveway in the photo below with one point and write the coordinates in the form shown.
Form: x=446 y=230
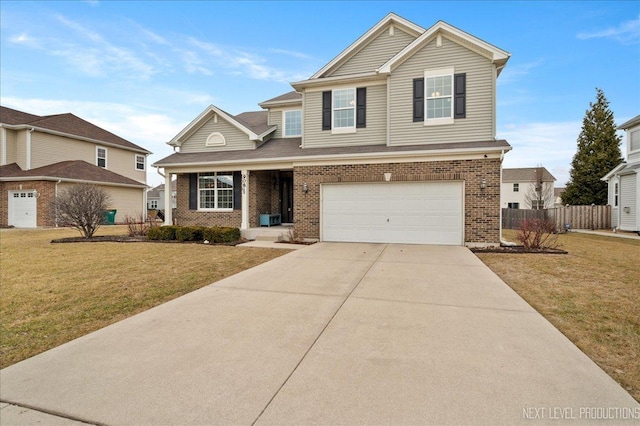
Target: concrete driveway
x=330 y=334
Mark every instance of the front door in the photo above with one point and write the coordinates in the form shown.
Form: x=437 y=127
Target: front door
x=286 y=196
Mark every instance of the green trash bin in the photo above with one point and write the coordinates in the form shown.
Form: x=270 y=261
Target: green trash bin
x=109 y=217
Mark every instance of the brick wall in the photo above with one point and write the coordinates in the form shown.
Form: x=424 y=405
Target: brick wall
x=187 y=217
x=45 y=207
x=482 y=207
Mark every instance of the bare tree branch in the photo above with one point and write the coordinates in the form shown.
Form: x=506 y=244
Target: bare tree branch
x=82 y=206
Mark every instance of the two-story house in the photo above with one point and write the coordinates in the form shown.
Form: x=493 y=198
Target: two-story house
x=392 y=141
x=41 y=155
x=527 y=188
x=624 y=182
x=155 y=196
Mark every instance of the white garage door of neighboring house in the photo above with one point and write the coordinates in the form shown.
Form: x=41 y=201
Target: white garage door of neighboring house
x=23 y=209
x=393 y=212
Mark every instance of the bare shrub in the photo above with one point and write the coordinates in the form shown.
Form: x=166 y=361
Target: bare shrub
x=138 y=225
x=82 y=206
x=537 y=234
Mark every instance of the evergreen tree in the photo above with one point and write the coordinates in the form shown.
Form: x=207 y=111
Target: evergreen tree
x=598 y=152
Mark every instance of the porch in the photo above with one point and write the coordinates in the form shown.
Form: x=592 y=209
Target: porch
x=272 y=233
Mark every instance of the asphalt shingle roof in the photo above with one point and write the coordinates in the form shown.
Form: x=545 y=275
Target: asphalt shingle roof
x=527 y=174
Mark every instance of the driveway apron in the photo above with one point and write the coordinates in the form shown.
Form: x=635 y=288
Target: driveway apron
x=330 y=334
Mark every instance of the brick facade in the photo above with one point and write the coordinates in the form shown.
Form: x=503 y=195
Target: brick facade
x=482 y=206
x=44 y=204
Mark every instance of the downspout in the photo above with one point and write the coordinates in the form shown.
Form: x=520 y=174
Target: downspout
x=56 y=202
x=28 y=153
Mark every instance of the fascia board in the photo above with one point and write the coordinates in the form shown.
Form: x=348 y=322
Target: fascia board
x=615 y=170
x=72 y=136
x=390 y=156
x=358 y=44
x=56 y=179
x=499 y=56
x=368 y=76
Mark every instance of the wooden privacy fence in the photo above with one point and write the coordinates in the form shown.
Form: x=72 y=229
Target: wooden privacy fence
x=577 y=217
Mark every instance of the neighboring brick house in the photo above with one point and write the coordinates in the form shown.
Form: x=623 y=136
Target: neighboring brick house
x=392 y=141
x=527 y=188
x=40 y=156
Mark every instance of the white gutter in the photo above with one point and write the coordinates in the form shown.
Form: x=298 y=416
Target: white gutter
x=50 y=179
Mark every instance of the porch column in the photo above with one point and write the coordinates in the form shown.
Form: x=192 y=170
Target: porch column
x=168 y=211
x=245 y=199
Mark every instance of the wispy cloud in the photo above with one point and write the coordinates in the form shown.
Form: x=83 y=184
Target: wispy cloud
x=627 y=32
x=291 y=53
x=25 y=39
x=551 y=144
x=514 y=73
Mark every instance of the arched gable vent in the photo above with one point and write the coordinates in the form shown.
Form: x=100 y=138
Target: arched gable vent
x=216 y=139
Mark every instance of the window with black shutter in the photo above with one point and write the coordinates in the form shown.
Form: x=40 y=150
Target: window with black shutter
x=193 y=191
x=361 y=107
x=459 y=89
x=326 y=110
x=418 y=99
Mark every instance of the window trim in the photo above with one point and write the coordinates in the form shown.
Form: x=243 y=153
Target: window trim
x=635 y=131
x=98 y=148
x=516 y=187
x=215 y=139
x=284 y=123
x=439 y=72
x=345 y=129
x=151 y=204
x=136 y=162
x=616 y=194
x=215 y=192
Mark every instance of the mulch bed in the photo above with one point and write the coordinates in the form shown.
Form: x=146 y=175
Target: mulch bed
x=517 y=250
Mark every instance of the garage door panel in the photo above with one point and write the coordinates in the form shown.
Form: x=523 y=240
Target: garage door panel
x=407 y=212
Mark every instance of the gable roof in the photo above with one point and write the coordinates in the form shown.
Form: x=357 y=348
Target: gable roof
x=366 y=38
x=67 y=125
x=527 y=174
x=69 y=171
x=495 y=54
x=253 y=124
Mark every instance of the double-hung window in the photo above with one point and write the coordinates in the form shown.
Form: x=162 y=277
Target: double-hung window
x=292 y=123
x=516 y=187
x=344 y=109
x=615 y=194
x=215 y=191
x=634 y=141
x=439 y=96
x=139 y=162
x=101 y=157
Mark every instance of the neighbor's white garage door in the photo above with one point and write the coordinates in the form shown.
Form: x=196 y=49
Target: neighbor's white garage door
x=393 y=212
x=23 y=209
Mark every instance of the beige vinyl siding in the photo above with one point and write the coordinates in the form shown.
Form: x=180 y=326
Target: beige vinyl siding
x=126 y=201
x=480 y=85
x=21 y=149
x=234 y=138
x=376 y=53
x=275 y=118
x=10 y=142
x=373 y=134
x=628 y=199
x=48 y=149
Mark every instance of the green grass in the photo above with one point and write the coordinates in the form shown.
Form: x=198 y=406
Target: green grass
x=53 y=293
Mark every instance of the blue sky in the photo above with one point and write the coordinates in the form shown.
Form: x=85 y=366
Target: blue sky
x=144 y=70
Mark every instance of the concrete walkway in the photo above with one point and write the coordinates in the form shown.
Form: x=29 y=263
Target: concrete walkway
x=619 y=234
x=334 y=333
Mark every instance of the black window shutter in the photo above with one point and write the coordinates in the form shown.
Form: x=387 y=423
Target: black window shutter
x=459 y=89
x=361 y=107
x=326 y=110
x=193 y=191
x=237 y=190
x=418 y=99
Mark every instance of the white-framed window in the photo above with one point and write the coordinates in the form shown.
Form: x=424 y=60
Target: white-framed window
x=634 y=141
x=216 y=139
x=438 y=86
x=615 y=194
x=153 y=204
x=343 y=110
x=101 y=157
x=215 y=191
x=513 y=205
x=516 y=187
x=292 y=123
x=140 y=160
x=537 y=204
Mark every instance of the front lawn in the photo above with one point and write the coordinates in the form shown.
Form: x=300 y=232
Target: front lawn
x=53 y=293
x=592 y=295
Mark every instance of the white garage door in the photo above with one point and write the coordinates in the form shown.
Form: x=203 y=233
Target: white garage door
x=393 y=212
x=23 y=209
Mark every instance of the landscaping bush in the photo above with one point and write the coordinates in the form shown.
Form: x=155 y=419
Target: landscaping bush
x=219 y=235
x=163 y=233
x=537 y=234
x=190 y=233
